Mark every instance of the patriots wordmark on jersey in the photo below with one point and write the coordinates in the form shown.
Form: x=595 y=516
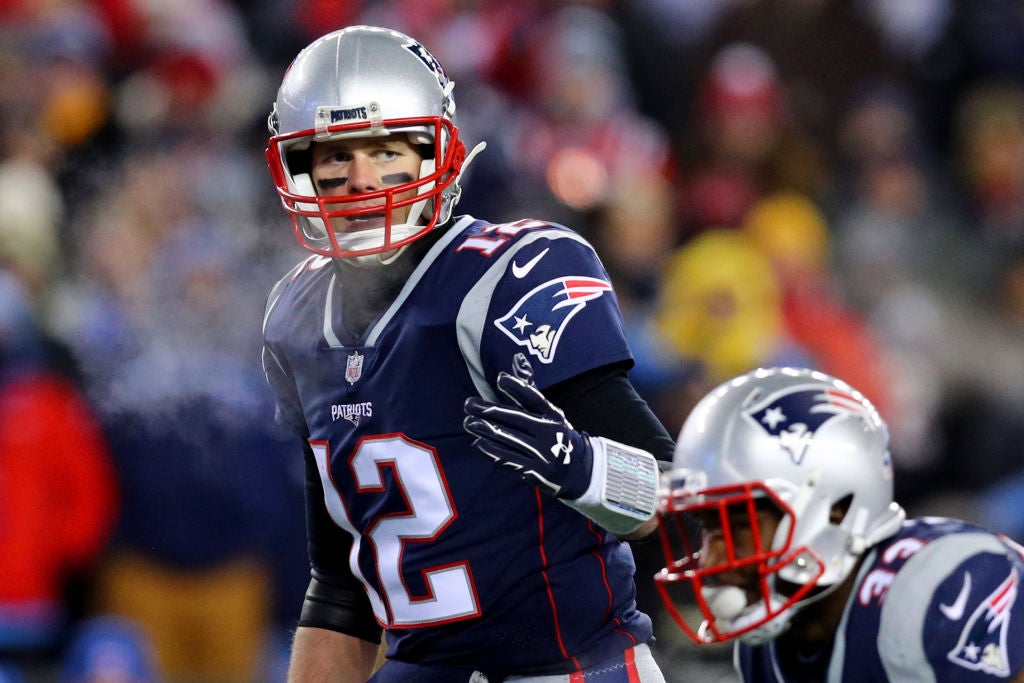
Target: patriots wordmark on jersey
x=461 y=561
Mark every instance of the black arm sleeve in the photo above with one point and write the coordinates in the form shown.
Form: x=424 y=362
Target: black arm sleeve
x=338 y=608
x=603 y=402
x=335 y=599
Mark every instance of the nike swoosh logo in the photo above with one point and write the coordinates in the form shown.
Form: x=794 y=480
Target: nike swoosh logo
x=956 y=610
x=521 y=271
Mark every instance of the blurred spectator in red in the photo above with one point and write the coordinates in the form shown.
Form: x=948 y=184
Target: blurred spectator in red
x=58 y=496
x=743 y=141
x=742 y=107
x=58 y=492
x=822 y=50
x=197 y=73
x=573 y=133
x=587 y=136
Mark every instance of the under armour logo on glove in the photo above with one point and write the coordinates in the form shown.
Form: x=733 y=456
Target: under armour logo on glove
x=531 y=436
x=560 y=448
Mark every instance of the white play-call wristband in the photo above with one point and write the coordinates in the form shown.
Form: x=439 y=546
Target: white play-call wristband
x=623 y=491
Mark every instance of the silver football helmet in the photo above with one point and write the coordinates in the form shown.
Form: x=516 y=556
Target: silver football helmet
x=805 y=447
x=357 y=82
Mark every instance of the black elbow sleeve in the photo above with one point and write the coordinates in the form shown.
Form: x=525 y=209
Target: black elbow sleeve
x=339 y=608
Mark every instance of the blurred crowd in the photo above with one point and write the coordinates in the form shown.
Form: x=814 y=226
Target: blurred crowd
x=836 y=184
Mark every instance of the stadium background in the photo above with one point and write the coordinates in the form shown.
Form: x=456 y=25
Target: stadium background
x=836 y=183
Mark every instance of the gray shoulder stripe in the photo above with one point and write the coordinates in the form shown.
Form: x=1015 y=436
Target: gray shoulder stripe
x=275 y=293
x=906 y=603
x=332 y=339
x=473 y=312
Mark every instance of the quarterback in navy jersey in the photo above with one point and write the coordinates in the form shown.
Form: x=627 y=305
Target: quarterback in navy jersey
x=420 y=357
x=808 y=563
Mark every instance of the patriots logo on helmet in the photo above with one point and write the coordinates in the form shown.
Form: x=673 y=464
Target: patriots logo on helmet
x=430 y=60
x=796 y=415
x=982 y=643
x=538 y=320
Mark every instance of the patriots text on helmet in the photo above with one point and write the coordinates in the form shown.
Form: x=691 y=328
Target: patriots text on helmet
x=338 y=115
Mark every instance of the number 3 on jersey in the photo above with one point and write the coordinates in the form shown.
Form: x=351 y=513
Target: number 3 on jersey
x=450 y=593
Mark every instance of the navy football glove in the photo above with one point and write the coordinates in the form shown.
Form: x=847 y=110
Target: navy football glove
x=611 y=483
x=531 y=437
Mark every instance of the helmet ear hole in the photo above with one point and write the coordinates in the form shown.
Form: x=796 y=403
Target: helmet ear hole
x=299 y=159
x=839 y=509
x=425 y=149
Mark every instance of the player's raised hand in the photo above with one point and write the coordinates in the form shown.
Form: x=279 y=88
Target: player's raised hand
x=531 y=436
x=613 y=484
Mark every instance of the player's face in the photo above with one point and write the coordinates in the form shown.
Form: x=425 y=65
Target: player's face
x=722 y=546
x=359 y=166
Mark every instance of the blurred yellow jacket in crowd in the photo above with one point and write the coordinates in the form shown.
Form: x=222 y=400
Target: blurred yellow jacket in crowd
x=721 y=304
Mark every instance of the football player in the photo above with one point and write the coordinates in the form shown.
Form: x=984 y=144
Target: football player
x=502 y=562
x=806 y=561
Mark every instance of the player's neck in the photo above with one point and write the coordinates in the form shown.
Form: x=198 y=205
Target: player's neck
x=366 y=292
x=816 y=624
x=802 y=660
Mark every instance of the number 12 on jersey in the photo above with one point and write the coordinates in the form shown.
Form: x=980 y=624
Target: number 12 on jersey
x=450 y=594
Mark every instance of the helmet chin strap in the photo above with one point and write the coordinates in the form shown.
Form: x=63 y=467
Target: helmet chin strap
x=373 y=237
x=370 y=261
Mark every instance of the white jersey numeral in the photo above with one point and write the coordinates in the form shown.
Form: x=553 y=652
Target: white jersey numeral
x=450 y=595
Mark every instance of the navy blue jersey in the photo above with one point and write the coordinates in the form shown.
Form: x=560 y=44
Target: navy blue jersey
x=940 y=601
x=463 y=562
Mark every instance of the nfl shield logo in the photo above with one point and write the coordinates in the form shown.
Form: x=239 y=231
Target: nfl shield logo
x=354 y=367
